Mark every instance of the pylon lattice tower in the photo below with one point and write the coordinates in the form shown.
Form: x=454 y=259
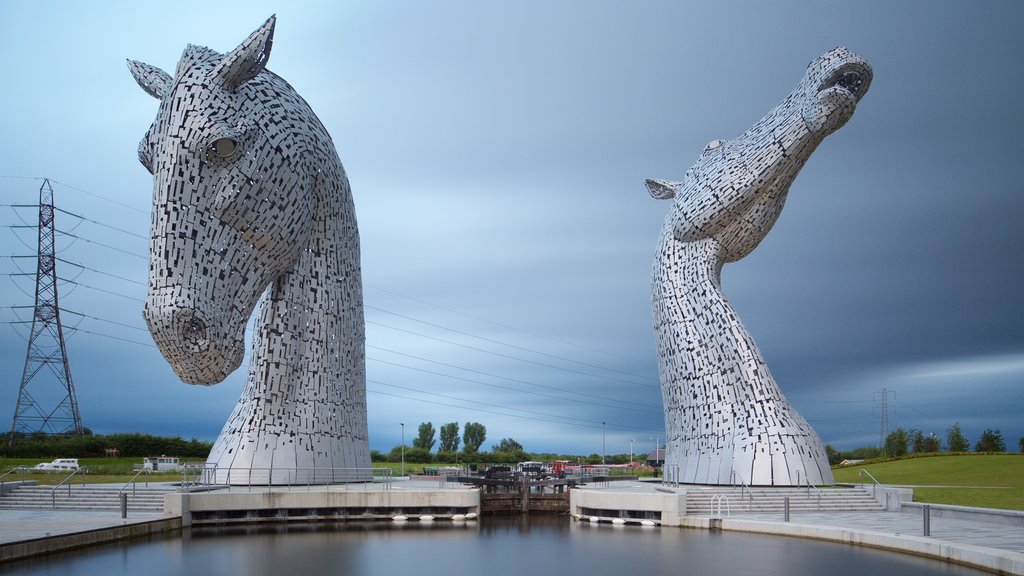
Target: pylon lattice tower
x=46 y=361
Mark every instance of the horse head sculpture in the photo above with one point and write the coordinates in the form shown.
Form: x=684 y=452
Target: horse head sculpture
x=726 y=419
x=249 y=193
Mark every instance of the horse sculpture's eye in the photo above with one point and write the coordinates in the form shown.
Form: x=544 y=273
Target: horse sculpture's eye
x=223 y=147
x=712 y=145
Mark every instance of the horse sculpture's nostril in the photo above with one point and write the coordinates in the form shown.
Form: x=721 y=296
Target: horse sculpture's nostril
x=194 y=334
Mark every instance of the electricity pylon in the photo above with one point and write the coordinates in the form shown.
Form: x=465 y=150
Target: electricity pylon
x=47 y=371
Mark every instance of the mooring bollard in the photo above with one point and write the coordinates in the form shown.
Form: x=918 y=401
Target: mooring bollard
x=124 y=504
x=785 y=508
x=927 y=519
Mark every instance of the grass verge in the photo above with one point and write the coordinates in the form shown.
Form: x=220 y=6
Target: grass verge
x=980 y=480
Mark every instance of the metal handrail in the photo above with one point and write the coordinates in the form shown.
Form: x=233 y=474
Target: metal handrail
x=19 y=468
x=132 y=482
x=53 y=491
x=816 y=490
x=719 y=498
x=862 y=472
x=294 y=477
x=744 y=487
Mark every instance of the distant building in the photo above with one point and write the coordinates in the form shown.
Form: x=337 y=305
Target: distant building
x=849 y=462
x=656 y=458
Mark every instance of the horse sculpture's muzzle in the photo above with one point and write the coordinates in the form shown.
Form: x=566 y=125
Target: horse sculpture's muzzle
x=194 y=343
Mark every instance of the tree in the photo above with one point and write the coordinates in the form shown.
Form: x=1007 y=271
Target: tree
x=862 y=453
x=449 y=437
x=425 y=440
x=1022 y=444
x=990 y=441
x=410 y=454
x=473 y=435
x=924 y=444
x=834 y=456
x=507 y=445
x=896 y=443
x=955 y=440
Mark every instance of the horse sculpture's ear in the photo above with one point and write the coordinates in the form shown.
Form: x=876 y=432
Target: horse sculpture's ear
x=153 y=80
x=249 y=59
x=663 y=189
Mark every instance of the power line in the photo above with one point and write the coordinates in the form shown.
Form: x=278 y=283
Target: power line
x=101 y=272
x=507 y=326
x=102 y=290
x=122 y=230
x=474 y=371
x=521 y=391
x=619 y=426
x=108 y=246
x=499 y=354
x=147 y=344
x=480 y=402
x=94 y=195
x=517 y=347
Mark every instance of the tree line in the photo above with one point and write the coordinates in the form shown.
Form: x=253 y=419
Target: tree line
x=901 y=442
x=89 y=445
x=472 y=438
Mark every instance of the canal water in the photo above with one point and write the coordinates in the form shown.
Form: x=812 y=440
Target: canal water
x=502 y=546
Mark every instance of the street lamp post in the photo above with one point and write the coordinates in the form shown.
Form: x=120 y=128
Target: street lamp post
x=603 y=442
x=631 y=440
x=402 y=424
x=654 y=455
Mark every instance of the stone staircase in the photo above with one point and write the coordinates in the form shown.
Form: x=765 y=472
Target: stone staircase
x=81 y=497
x=701 y=501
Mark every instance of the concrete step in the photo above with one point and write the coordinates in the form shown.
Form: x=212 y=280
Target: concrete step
x=705 y=500
x=82 y=498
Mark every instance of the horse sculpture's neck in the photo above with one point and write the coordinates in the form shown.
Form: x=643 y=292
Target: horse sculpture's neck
x=305 y=390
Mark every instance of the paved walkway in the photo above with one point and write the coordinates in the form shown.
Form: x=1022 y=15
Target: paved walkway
x=991 y=535
x=21 y=525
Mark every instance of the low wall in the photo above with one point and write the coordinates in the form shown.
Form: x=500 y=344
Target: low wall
x=307 y=505
x=59 y=543
x=609 y=505
x=991 y=559
x=991 y=515
x=8 y=487
x=893 y=499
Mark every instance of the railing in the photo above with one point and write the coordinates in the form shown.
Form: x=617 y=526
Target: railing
x=816 y=490
x=744 y=489
x=17 y=469
x=718 y=499
x=274 y=477
x=53 y=491
x=861 y=474
x=132 y=482
x=670 y=474
x=807 y=480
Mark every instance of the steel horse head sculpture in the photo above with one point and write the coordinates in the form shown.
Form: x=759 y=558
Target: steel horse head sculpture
x=726 y=421
x=250 y=199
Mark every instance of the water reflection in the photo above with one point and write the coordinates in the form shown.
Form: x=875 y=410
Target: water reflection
x=503 y=546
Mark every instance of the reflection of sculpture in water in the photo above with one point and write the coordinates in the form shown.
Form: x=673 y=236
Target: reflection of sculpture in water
x=726 y=420
x=249 y=193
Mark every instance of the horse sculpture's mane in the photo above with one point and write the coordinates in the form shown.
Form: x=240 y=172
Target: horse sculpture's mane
x=250 y=199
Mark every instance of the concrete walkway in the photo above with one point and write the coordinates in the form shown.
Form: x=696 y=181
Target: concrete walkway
x=990 y=535
x=22 y=525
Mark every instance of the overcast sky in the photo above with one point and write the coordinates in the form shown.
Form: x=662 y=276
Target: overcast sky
x=497 y=153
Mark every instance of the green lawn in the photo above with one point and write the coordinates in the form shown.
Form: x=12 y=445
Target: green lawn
x=983 y=480
x=101 y=471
